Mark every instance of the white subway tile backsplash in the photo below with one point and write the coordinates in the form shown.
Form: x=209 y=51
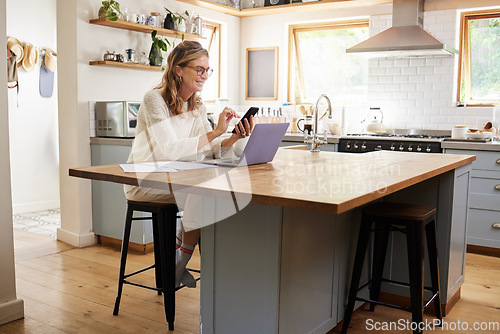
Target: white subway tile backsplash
x=377 y=71
x=404 y=62
x=415 y=95
x=386 y=79
x=417 y=62
x=425 y=70
x=401 y=79
x=431 y=94
x=433 y=78
x=393 y=70
x=392 y=87
x=434 y=61
x=386 y=63
x=401 y=95
x=408 y=87
x=416 y=78
x=409 y=70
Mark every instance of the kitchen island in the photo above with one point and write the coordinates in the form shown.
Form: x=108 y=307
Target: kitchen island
x=281 y=264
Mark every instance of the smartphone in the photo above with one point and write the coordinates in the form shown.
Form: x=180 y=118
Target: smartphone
x=250 y=112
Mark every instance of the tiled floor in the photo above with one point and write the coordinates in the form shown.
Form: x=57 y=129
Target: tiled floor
x=41 y=222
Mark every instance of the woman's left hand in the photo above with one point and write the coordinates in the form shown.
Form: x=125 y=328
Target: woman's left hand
x=243 y=128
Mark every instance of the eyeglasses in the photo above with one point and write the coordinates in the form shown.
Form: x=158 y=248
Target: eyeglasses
x=200 y=70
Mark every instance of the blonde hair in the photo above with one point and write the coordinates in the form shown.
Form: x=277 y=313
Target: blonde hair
x=170 y=84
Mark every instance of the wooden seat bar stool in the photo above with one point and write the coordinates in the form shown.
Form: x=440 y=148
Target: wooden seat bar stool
x=164 y=219
x=408 y=219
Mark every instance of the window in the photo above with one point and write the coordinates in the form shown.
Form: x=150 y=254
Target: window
x=211 y=91
x=319 y=65
x=479 y=75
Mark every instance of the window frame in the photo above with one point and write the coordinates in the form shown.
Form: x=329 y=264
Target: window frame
x=464 y=70
x=293 y=29
x=216 y=33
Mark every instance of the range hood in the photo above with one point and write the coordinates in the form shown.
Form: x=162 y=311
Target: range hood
x=406 y=37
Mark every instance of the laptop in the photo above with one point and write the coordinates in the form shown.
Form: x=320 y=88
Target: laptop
x=261 y=147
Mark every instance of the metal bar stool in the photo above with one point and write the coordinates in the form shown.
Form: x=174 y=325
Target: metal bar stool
x=408 y=219
x=164 y=220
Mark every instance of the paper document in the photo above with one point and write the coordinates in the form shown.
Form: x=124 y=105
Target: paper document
x=162 y=167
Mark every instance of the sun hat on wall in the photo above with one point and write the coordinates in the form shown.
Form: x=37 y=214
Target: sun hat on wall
x=16 y=47
x=31 y=56
x=51 y=60
x=49 y=66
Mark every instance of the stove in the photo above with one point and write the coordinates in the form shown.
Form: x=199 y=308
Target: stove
x=404 y=141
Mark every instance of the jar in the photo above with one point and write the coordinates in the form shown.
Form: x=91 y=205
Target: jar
x=308 y=124
x=154 y=19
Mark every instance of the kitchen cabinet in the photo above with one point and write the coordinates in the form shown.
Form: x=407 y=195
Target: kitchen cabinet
x=109 y=204
x=131 y=26
x=484 y=204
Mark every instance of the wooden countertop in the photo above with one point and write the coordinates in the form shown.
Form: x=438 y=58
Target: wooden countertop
x=328 y=181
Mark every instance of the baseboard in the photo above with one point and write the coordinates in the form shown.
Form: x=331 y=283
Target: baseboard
x=489 y=251
x=34 y=206
x=77 y=240
x=11 y=310
x=132 y=246
x=405 y=302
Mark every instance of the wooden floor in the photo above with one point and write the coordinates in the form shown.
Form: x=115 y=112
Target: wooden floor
x=70 y=290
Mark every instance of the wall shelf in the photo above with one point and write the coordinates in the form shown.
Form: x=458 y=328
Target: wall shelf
x=125 y=25
x=283 y=9
x=133 y=66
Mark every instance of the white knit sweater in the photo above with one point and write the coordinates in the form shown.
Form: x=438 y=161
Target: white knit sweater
x=162 y=136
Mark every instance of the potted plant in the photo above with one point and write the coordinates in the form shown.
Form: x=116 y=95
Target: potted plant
x=159 y=45
x=178 y=20
x=110 y=10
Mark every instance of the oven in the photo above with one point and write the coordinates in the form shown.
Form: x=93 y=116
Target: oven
x=418 y=143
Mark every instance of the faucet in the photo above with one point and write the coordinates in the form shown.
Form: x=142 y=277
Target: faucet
x=314 y=139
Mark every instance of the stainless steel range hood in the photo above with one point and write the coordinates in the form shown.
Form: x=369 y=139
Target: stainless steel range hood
x=406 y=37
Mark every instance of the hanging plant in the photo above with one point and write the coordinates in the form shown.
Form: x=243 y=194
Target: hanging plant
x=159 y=45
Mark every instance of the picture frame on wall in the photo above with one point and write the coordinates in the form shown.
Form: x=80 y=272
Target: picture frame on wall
x=261 y=81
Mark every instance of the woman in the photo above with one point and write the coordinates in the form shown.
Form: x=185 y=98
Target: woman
x=172 y=124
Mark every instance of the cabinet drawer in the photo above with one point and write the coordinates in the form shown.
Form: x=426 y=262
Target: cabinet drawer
x=480 y=230
x=487 y=186
x=487 y=160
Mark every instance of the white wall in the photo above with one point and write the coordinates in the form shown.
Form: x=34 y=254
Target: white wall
x=33 y=125
x=11 y=308
x=78 y=40
x=413 y=93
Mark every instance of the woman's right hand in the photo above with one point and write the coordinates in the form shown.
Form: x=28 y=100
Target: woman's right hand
x=224 y=118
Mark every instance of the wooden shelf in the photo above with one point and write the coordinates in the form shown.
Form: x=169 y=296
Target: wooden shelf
x=283 y=9
x=125 y=25
x=133 y=66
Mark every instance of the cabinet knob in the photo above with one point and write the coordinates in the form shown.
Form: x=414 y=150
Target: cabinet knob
x=495 y=225
x=498 y=161
x=497 y=187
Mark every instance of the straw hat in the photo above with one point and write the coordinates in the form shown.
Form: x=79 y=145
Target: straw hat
x=51 y=60
x=31 y=56
x=16 y=47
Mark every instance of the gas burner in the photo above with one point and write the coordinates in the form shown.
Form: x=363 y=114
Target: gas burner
x=388 y=135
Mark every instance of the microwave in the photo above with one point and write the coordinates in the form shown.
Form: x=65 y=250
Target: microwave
x=116 y=118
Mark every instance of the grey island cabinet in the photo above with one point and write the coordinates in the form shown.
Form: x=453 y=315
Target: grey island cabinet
x=483 y=230
x=282 y=264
